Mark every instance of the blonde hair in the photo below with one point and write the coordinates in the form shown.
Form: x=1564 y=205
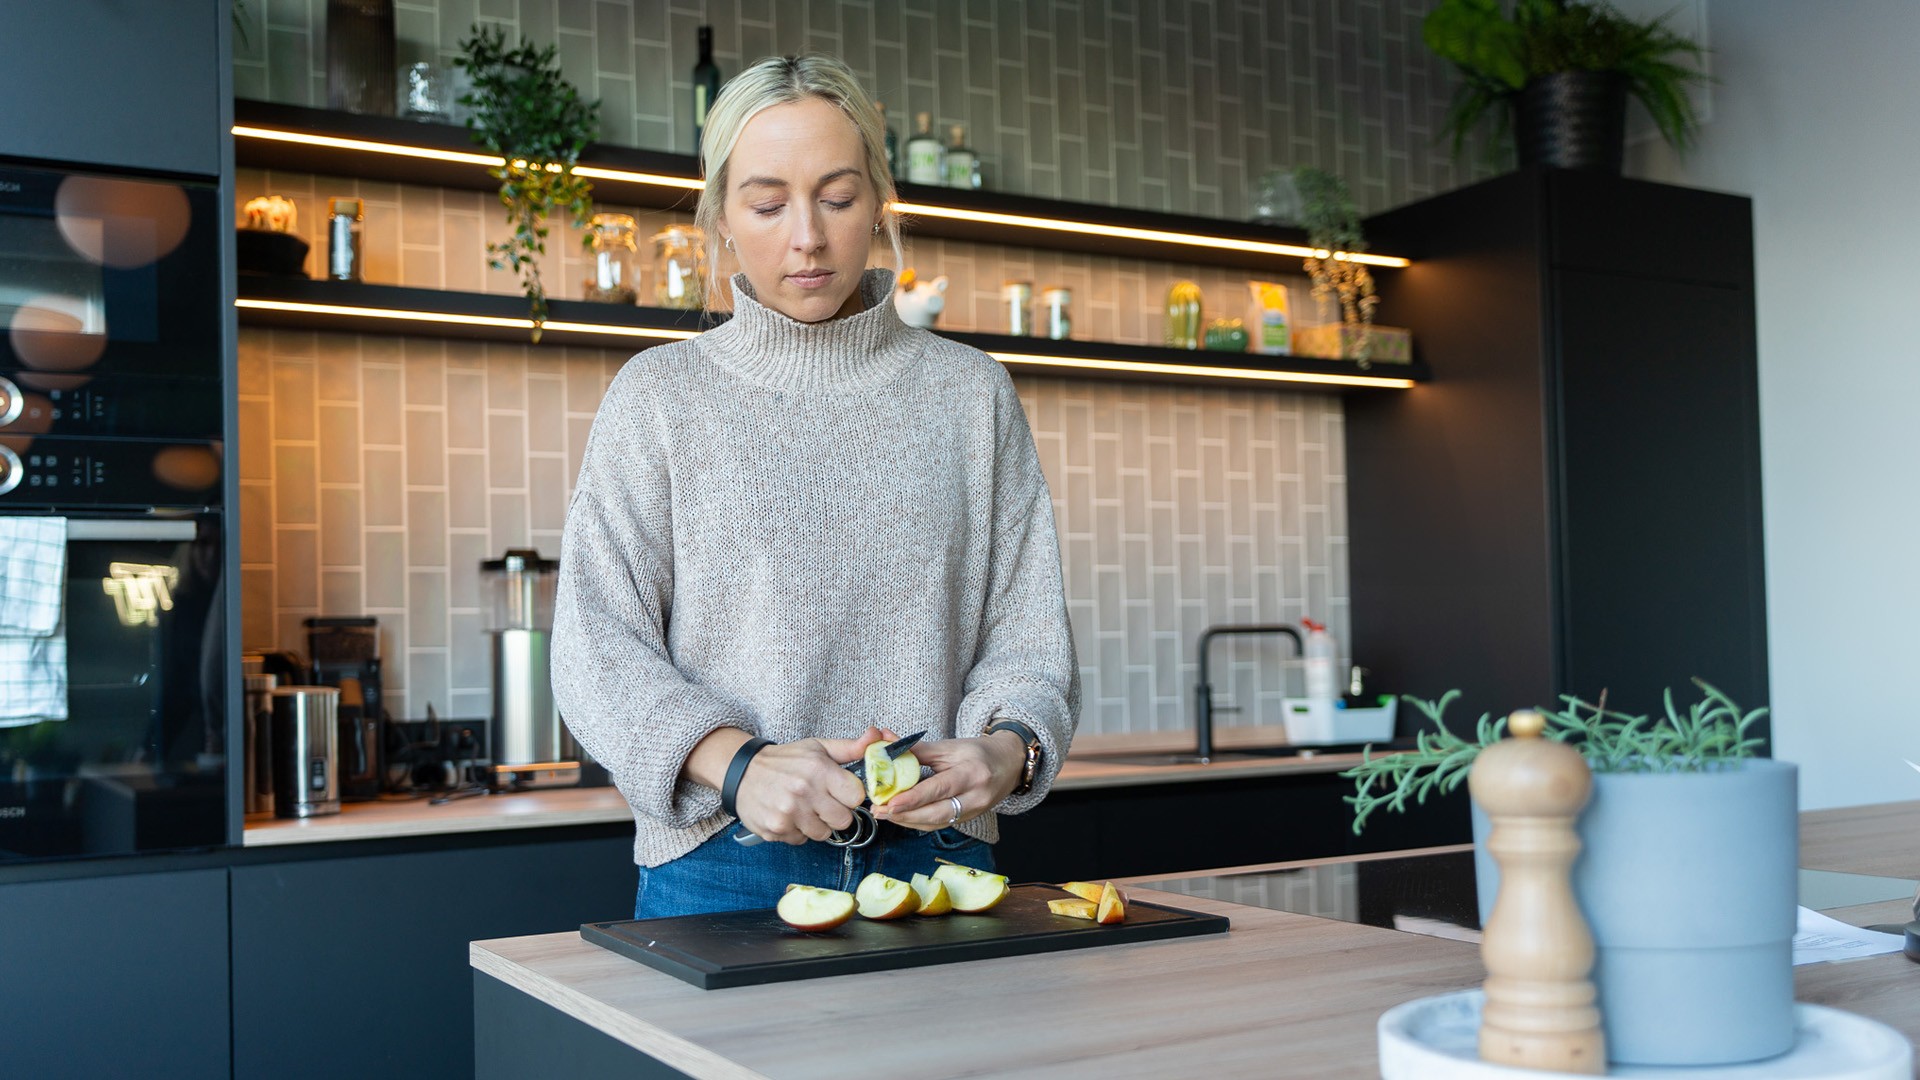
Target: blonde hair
x=783 y=80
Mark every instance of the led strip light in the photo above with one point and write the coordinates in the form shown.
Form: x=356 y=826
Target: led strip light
x=1023 y=221
x=670 y=334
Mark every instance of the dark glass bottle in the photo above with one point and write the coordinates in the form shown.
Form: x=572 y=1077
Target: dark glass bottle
x=706 y=86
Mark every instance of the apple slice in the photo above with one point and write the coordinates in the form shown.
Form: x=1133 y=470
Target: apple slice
x=934 y=898
x=972 y=890
x=813 y=909
x=1085 y=890
x=1112 y=908
x=882 y=897
x=1075 y=908
x=887 y=776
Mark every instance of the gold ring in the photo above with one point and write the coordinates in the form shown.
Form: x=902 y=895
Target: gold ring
x=955 y=819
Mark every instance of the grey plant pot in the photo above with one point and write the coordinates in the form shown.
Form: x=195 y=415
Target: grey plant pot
x=1689 y=883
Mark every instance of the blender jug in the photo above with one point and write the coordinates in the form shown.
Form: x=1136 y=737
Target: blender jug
x=531 y=747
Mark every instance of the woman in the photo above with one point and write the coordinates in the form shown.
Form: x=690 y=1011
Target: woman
x=807 y=530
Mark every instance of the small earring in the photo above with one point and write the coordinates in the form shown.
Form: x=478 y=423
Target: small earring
x=727 y=243
x=876 y=228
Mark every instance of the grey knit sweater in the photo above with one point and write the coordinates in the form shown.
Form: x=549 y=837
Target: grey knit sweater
x=800 y=530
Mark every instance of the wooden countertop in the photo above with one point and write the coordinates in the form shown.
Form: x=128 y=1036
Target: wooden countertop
x=1228 y=1005
x=383 y=820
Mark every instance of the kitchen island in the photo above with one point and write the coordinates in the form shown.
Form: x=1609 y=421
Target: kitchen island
x=1281 y=994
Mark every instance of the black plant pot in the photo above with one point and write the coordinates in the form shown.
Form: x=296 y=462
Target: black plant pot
x=1572 y=120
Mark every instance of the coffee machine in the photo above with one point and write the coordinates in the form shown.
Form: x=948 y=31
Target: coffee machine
x=345 y=653
x=531 y=747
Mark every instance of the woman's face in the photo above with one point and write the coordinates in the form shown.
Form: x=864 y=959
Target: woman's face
x=800 y=209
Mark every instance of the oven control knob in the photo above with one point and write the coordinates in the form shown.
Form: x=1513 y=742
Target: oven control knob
x=11 y=401
x=10 y=470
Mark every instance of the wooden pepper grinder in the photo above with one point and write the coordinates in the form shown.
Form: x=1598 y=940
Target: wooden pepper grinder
x=1540 y=1011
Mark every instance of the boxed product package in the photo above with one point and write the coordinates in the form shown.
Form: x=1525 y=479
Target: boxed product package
x=1391 y=344
x=1267 y=328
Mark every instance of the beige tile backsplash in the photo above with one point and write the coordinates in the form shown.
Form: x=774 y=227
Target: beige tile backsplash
x=377 y=472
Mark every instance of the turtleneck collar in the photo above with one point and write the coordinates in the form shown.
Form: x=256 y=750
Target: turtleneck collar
x=763 y=346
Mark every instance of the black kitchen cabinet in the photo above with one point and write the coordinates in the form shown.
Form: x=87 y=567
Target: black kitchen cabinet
x=120 y=83
x=1573 y=505
x=1175 y=828
x=357 y=965
x=118 y=975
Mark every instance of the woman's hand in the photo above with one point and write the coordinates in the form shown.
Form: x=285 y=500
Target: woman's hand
x=799 y=791
x=979 y=772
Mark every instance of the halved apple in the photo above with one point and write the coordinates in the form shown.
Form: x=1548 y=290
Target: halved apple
x=888 y=776
x=810 y=908
x=934 y=898
x=882 y=897
x=972 y=890
x=1075 y=908
x=1112 y=908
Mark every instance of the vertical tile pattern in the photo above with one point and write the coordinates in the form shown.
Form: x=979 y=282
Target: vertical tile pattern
x=1166 y=106
x=377 y=472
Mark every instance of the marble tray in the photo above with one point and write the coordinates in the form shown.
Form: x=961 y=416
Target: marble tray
x=1436 y=1038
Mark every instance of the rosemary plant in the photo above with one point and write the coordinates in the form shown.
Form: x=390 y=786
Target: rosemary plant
x=528 y=113
x=1712 y=733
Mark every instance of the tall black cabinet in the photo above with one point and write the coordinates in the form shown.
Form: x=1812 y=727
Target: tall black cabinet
x=1573 y=504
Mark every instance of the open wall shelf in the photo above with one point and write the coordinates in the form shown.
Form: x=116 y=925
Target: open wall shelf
x=354 y=307
x=273 y=136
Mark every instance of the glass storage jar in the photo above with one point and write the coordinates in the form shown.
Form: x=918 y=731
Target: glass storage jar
x=613 y=241
x=680 y=267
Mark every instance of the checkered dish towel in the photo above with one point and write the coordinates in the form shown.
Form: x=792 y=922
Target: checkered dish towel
x=33 y=631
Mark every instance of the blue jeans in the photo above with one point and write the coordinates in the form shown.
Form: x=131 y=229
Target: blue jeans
x=723 y=875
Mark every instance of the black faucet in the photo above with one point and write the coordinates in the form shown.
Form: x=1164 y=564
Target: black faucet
x=1204 y=692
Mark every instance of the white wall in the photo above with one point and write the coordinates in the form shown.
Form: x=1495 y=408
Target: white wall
x=1815 y=117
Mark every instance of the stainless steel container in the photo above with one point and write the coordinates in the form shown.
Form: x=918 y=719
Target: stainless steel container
x=257 y=785
x=531 y=747
x=306 y=751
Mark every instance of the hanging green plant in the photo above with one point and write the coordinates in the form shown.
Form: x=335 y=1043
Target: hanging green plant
x=1333 y=225
x=528 y=113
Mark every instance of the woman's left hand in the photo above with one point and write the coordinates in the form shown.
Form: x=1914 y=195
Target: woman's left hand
x=979 y=772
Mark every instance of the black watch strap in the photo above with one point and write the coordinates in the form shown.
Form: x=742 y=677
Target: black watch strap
x=737 y=768
x=1032 y=767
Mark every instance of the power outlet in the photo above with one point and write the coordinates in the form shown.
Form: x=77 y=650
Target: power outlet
x=447 y=763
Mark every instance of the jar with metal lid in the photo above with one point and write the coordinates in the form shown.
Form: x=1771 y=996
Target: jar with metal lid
x=1057 y=302
x=1017 y=297
x=680 y=267
x=343 y=238
x=613 y=239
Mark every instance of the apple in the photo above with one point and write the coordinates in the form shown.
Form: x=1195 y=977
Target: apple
x=1075 y=908
x=1112 y=908
x=889 y=776
x=972 y=890
x=810 y=908
x=882 y=897
x=934 y=898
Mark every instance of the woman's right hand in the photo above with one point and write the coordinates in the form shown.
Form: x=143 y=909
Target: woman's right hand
x=800 y=791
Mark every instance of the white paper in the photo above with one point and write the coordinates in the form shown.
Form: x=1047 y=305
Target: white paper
x=1820 y=938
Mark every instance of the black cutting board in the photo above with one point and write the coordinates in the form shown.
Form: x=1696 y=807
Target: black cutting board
x=746 y=948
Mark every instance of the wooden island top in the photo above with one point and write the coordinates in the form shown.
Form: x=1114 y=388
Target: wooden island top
x=1279 y=995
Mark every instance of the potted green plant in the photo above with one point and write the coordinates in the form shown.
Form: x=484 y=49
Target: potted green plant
x=1332 y=222
x=528 y=113
x=1557 y=74
x=1687 y=872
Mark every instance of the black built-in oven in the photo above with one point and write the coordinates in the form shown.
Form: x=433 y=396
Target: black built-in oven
x=111 y=420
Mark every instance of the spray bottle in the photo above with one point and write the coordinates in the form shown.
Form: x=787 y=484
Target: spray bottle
x=1321 y=682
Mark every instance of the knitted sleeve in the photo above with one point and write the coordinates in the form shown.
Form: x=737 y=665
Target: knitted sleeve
x=613 y=676
x=1025 y=668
